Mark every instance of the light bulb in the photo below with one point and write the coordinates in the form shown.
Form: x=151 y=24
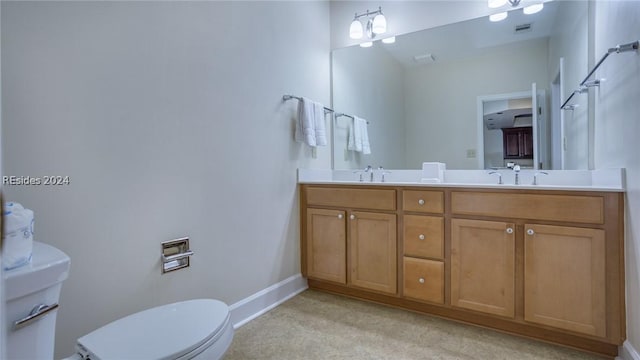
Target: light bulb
x=379 y=24
x=355 y=30
x=532 y=9
x=389 y=40
x=366 y=44
x=498 y=17
x=496 y=3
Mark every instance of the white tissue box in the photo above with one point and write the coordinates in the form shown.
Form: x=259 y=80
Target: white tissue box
x=433 y=172
x=17 y=238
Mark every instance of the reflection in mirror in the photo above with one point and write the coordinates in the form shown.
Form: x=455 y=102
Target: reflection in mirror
x=421 y=94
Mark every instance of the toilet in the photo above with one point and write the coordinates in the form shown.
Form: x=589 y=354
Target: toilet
x=192 y=329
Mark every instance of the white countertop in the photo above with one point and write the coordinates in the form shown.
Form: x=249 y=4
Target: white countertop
x=568 y=180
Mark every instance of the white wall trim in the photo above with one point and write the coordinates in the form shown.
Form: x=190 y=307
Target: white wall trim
x=628 y=352
x=259 y=303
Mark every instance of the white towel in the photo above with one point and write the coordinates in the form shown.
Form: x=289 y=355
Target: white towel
x=310 y=127
x=319 y=121
x=305 y=126
x=351 y=139
x=360 y=136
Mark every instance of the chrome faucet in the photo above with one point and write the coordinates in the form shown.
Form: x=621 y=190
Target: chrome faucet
x=383 y=172
x=516 y=169
x=535 y=176
x=499 y=176
x=369 y=169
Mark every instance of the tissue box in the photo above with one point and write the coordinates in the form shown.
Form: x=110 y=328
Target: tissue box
x=433 y=172
x=17 y=238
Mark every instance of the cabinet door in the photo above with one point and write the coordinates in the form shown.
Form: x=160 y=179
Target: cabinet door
x=511 y=143
x=423 y=279
x=483 y=266
x=527 y=143
x=326 y=245
x=372 y=258
x=564 y=278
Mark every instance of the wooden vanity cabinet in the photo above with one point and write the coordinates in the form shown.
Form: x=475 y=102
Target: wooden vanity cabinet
x=351 y=237
x=547 y=265
x=518 y=142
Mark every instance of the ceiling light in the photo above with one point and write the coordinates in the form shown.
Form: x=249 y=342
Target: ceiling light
x=355 y=30
x=498 y=17
x=374 y=26
x=496 y=3
x=532 y=9
x=389 y=40
x=366 y=44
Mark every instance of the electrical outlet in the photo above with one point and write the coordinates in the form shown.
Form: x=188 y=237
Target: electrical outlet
x=471 y=153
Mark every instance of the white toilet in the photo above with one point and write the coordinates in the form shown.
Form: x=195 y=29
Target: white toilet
x=194 y=329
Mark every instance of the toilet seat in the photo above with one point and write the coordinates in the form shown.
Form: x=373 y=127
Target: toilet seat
x=173 y=331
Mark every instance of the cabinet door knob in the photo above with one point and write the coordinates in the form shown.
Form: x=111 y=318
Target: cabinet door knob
x=421 y=280
x=421 y=236
x=421 y=202
x=340 y=216
x=352 y=217
x=530 y=232
x=509 y=230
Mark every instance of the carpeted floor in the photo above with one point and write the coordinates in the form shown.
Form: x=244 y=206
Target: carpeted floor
x=317 y=325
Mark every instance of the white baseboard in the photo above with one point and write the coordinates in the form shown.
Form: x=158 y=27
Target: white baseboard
x=259 y=303
x=628 y=352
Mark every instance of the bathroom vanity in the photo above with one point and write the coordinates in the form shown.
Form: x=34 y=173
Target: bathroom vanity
x=541 y=262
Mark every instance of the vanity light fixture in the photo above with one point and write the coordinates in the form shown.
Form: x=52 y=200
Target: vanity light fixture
x=367 y=44
x=532 y=9
x=389 y=40
x=374 y=26
x=528 y=10
x=498 y=17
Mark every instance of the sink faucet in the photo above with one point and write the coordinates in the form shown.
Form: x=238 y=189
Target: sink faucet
x=535 y=176
x=516 y=169
x=369 y=169
x=499 y=176
x=382 y=173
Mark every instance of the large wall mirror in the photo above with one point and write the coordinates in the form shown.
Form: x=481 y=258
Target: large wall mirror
x=464 y=92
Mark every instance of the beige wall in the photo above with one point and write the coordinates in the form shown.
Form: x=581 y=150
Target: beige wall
x=368 y=83
x=168 y=118
x=617 y=130
x=441 y=127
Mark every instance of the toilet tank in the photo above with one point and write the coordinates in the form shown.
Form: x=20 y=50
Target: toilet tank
x=32 y=292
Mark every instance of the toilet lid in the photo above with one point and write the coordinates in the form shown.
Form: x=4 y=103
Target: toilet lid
x=164 y=332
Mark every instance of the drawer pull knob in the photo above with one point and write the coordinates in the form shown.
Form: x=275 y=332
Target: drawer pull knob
x=530 y=232
x=421 y=202
x=421 y=280
x=340 y=216
x=421 y=236
x=352 y=217
x=509 y=230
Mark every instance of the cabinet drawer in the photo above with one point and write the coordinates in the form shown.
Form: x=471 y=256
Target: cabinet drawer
x=423 y=236
x=580 y=209
x=423 y=201
x=424 y=279
x=375 y=199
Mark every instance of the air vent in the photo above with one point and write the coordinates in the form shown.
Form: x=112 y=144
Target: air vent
x=523 y=28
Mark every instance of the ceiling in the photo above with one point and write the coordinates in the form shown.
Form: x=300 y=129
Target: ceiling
x=470 y=38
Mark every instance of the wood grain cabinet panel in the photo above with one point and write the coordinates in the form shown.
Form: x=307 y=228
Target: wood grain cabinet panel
x=564 y=278
x=483 y=266
x=326 y=245
x=570 y=208
x=373 y=251
x=423 y=279
x=372 y=199
x=423 y=201
x=423 y=236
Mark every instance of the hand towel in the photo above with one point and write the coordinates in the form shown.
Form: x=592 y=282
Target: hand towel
x=361 y=135
x=319 y=122
x=351 y=139
x=305 y=126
